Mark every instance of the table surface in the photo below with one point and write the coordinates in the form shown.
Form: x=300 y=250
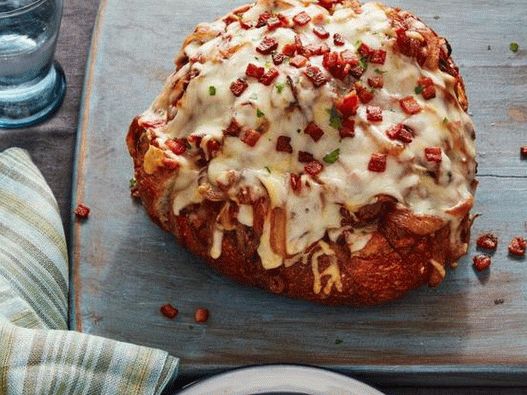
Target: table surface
x=51 y=144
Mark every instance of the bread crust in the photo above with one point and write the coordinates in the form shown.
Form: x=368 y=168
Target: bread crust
x=406 y=251
x=396 y=260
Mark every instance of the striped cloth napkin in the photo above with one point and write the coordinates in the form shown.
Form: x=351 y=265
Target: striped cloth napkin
x=37 y=353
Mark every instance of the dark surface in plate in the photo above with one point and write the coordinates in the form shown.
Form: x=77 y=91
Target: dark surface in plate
x=124 y=268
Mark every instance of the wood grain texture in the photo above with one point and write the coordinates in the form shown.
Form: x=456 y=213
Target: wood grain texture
x=124 y=267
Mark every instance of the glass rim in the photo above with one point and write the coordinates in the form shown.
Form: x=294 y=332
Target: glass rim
x=21 y=10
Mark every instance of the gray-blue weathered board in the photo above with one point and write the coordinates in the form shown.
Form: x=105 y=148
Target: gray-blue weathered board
x=124 y=267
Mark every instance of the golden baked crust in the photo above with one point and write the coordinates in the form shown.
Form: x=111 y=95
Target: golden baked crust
x=402 y=248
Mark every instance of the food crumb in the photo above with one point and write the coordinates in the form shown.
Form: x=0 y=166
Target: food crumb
x=523 y=152
x=82 y=211
x=339 y=341
x=517 y=246
x=481 y=262
x=436 y=17
x=499 y=301
x=514 y=47
x=134 y=188
x=169 y=311
x=201 y=315
x=487 y=241
x=489 y=48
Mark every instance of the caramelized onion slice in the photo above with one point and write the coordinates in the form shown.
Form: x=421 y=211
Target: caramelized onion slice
x=417 y=224
x=278 y=231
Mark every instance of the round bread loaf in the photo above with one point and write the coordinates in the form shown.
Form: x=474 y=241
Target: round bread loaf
x=316 y=149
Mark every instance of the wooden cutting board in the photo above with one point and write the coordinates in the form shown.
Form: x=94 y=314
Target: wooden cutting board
x=124 y=268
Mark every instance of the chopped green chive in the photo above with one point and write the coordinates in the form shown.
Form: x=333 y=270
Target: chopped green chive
x=280 y=87
x=212 y=90
x=299 y=131
x=380 y=71
x=268 y=170
x=335 y=119
x=332 y=157
x=514 y=47
x=418 y=89
x=339 y=341
x=133 y=182
x=364 y=62
x=259 y=113
x=187 y=144
x=445 y=120
x=253 y=96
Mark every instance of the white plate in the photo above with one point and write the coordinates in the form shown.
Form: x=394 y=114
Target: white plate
x=279 y=379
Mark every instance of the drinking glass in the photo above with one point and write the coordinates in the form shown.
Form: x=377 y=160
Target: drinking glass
x=32 y=85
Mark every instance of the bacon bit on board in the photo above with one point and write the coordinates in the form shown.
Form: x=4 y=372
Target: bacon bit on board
x=82 y=211
x=517 y=246
x=283 y=144
x=238 y=87
x=169 y=311
x=314 y=131
x=377 y=163
x=487 y=241
x=523 y=152
x=481 y=262
x=410 y=105
x=433 y=154
x=201 y=315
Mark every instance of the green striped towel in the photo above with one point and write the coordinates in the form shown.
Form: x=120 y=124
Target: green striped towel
x=37 y=353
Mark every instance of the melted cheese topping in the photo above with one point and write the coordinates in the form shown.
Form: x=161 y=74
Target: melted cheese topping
x=198 y=101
